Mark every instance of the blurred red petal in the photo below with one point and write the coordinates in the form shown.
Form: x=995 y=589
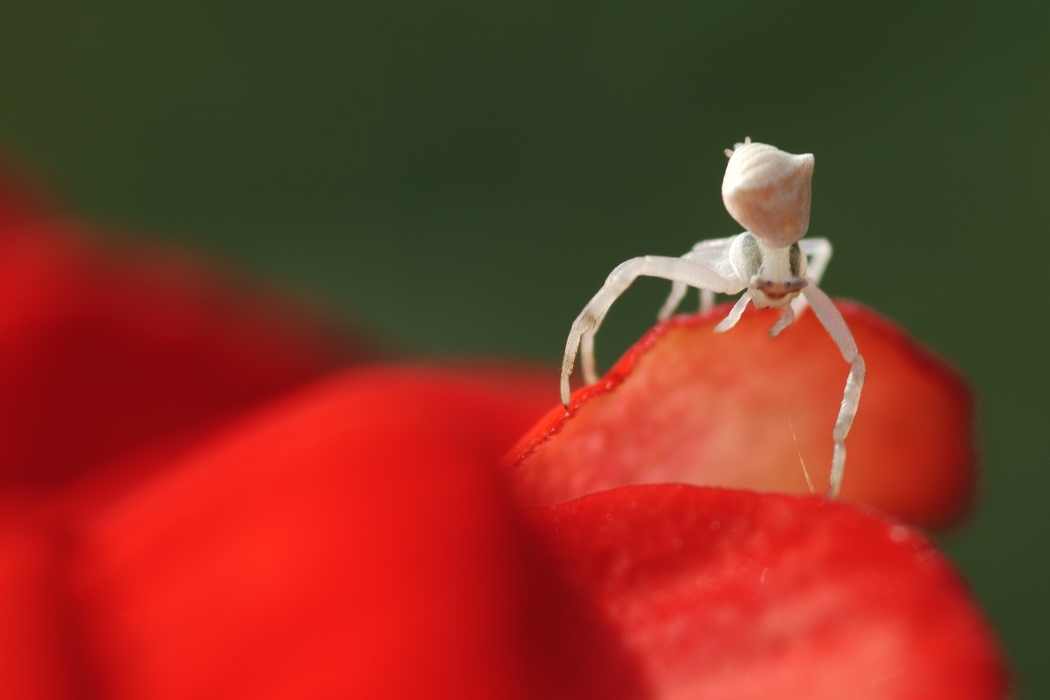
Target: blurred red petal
x=34 y=645
x=105 y=347
x=351 y=541
x=736 y=595
x=742 y=410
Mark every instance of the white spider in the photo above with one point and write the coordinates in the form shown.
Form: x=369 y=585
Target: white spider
x=768 y=192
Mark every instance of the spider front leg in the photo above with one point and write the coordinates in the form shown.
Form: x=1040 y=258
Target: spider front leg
x=833 y=322
x=734 y=314
x=786 y=319
x=694 y=273
x=712 y=251
x=818 y=254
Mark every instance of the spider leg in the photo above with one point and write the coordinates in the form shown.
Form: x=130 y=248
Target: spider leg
x=707 y=300
x=695 y=273
x=836 y=326
x=678 y=292
x=786 y=320
x=711 y=251
x=734 y=314
x=587 y=362
x=818 y=251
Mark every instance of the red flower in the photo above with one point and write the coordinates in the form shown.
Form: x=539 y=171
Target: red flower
x=196 y=506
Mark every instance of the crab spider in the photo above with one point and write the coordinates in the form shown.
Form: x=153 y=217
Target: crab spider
x=768 y=192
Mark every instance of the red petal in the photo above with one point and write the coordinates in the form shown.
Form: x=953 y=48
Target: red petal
x=34 y=633
x=735 y=595
x=104 y=348
x=351 y=541
x=740 y=409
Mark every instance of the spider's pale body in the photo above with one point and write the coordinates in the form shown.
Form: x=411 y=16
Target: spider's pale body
x=768 y=192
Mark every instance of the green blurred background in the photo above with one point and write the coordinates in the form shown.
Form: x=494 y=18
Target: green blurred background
x=463 y=176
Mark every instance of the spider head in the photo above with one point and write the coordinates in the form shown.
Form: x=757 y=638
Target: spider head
x=775 y=275
x=775 y=293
